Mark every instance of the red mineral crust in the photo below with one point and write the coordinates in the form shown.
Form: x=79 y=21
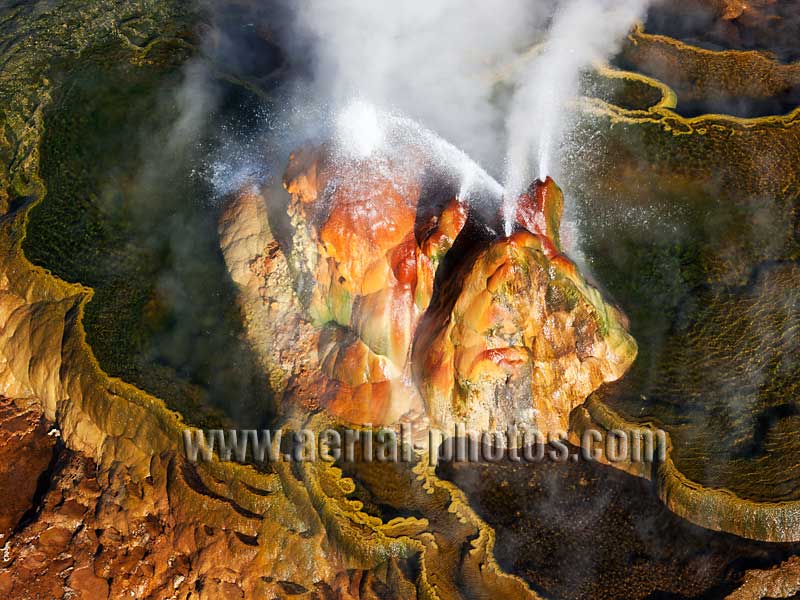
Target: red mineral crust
x=539 y=210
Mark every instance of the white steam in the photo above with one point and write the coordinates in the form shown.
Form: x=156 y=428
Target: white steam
x=582 y=32
x=435 y=61
x=362 y=130
x=430 y=60
x=359 y=130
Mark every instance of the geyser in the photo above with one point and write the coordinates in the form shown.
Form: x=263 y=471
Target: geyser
x=538 y=122
x=421 y=301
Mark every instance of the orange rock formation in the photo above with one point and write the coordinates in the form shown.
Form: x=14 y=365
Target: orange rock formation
x=512 y=332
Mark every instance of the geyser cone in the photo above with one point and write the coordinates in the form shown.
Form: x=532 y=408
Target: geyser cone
x=539 y=210
x=510 y=331
x=368 y=237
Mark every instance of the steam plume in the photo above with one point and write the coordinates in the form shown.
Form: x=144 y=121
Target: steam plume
x=429 y=60
x=582 y=32
x=435 y=62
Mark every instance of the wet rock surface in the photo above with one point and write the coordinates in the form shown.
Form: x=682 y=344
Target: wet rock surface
x=509 y=330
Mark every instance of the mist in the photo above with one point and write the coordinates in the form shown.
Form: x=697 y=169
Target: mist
x=583 y=32
x=429 y=60
x=439 y=62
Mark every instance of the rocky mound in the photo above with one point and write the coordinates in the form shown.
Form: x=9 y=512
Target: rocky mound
x=388 y=255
